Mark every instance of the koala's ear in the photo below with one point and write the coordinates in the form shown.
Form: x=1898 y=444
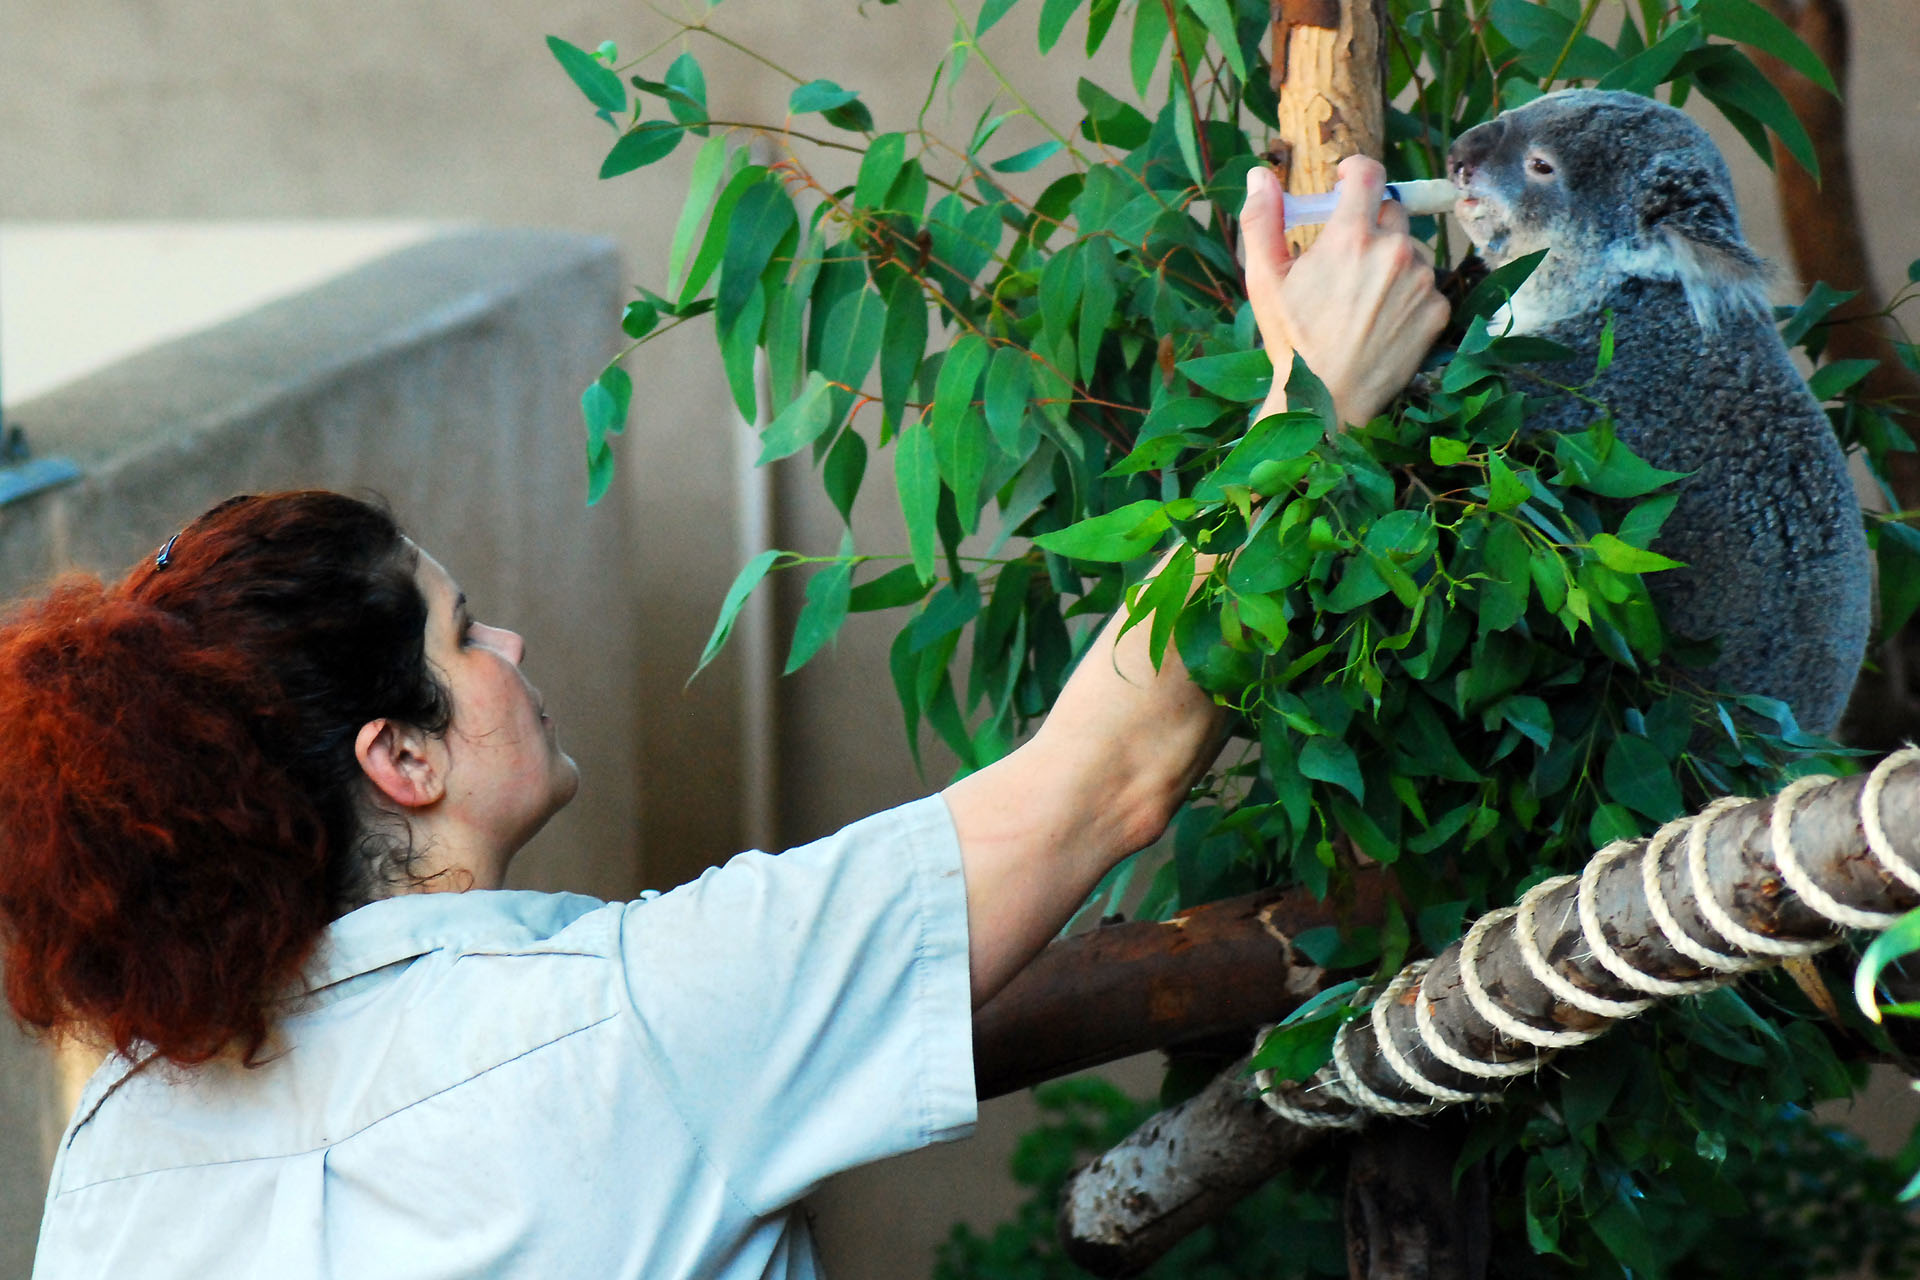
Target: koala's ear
x=1690 y=230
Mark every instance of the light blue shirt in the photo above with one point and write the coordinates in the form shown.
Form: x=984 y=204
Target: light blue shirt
x=504 y=1084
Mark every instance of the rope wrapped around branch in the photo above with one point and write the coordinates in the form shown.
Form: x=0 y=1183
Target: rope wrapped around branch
x=1742 y=885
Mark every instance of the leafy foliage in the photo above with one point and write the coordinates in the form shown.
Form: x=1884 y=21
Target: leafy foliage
x=1434 y=626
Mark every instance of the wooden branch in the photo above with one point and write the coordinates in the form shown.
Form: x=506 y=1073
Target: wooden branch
x=1124 y=989
x=1176 y=1173
x=1329 y=70
x=1744 y=884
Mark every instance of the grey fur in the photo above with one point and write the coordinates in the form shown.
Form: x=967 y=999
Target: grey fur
x=1638 y=214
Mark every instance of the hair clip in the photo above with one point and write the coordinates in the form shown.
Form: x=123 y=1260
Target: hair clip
x=166 y=553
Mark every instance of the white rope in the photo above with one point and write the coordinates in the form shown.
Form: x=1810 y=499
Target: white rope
x=1895 y=865
x=1279 y=1103
x=1729 y=928
x=1402 y=1065
x=1496 y=1017
x=1436 y=1045
x=1678 y=938
x=1603 y=951
x=1363 y=1094
x=1552 y=979
x=1787 y=859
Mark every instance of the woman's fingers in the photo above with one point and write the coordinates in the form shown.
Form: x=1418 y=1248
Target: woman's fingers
x=1263 y=229
x=1363 y=182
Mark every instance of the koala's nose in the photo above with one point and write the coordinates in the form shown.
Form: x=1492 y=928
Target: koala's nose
x=1471 y=149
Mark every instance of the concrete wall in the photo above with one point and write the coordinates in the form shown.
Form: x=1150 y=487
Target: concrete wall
x=443 y=377
x=433 y=109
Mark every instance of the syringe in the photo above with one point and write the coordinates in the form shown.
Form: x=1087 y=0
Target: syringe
x=1423 y=195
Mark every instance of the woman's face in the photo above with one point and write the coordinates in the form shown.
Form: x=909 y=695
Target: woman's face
x=506 y=773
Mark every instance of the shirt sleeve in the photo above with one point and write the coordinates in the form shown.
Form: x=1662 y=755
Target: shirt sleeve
x=811 y=1011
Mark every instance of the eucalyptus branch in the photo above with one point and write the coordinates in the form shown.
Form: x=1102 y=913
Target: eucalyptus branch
x=1566 y=50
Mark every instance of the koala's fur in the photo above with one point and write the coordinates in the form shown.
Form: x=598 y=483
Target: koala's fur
x=1635 y=205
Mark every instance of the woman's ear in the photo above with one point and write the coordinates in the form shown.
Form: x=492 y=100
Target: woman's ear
x=405 y=764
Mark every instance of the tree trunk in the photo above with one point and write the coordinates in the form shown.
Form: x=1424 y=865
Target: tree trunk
x=1408 y=1216
x=1744 y=884
x=1329 y=69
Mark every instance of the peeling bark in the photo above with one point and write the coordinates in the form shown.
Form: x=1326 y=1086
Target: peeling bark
x=1430 y=1040
x=1329 y=70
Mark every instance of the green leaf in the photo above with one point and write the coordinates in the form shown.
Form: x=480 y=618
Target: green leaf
x=803 y=421
x=819 y=95
x=1150 y=32
x=708 y=167
x=1745 y=22
x=1332 y=761
x=903 y=344
x=687 y=99
x=1651 y=67
x=1009 y=383
x=916 y=474
x=604 y=406
x=1239 y=376
x=1296 y=1050
x=652 y=141
x=1623 y=558
x=991 y=12
x=960 y=373
x=820 y=617
x=1217 y=17
x=1504 y=490
x=743 y=585
x=1902 y=940
x=844 y=469
x=1493 y=292
x=1053 y=21
x=1120 y=535
x=1640 y=777
x=1731 y=81
x=899 y=585
x=1833 y=379
x=762 y=216
x=1031 y=158
x=599 y=473
x=1897 y=551
x=595 y=79
x=879 y=168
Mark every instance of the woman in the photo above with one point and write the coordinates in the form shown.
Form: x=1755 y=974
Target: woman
x=247 y=795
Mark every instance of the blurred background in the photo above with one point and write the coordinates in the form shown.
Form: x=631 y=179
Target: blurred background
x=271 y=244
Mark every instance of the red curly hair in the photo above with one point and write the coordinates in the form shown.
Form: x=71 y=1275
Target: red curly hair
x=179 y=798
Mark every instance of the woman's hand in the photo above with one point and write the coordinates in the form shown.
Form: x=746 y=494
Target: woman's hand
x=1360 y=306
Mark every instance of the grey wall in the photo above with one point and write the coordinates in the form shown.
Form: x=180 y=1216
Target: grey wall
x=199 y=108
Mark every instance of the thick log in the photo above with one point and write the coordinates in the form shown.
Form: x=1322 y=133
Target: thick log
x=1409 y=1215
x=1745 y=884
x=1124 y=989
x=1329 y=70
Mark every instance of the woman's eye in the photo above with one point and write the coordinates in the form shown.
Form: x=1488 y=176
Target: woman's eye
x=1536 y=165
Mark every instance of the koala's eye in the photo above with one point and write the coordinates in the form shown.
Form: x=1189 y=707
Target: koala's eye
x=1535 y=164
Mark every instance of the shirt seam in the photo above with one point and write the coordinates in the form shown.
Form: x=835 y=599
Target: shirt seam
x=345 y=1137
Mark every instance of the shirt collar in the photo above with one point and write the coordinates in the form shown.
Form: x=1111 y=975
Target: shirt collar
x=413 y=924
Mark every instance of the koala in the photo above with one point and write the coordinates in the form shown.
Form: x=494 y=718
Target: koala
x=1634 y=205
